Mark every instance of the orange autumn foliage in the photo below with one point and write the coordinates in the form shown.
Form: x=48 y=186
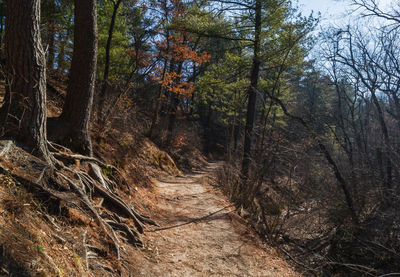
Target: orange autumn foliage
x=180 y=141
x=142 y=58
x=173 y=47
x=179 y=51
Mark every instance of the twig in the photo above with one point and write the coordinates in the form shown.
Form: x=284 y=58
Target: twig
x=57 y=237
x=356 y=267
x=190 y=221
x=85 y=249
x=296 y=261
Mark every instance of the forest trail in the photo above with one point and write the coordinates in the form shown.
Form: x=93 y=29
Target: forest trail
x=200 y=235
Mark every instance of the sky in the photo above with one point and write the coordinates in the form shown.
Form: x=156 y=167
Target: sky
x=328 y=8
x=332 y=11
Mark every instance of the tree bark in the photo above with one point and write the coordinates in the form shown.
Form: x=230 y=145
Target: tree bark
x=252 y=97
x=72 y=128
x=24 y=112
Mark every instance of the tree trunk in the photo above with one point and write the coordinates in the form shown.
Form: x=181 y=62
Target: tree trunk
x=339 y=177
x=24 y=111
x=51 y=46
x=386 y=150
x=2 y=7
x=107 y=62
x=64 y=37
x=208 y=131
x=61 y=53
x=252 y=97
x=72 y=127
x=155 y=118
x=172 y=117
x=174 y=105
x=232 y=137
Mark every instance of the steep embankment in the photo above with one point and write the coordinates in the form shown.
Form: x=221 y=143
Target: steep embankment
x=202 y=236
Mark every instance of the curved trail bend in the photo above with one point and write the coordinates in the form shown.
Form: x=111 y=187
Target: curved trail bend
x=202 y=236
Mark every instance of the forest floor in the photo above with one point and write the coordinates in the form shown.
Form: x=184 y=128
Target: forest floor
x=202 y=235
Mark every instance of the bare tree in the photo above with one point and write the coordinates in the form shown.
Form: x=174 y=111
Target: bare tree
x=362 y=57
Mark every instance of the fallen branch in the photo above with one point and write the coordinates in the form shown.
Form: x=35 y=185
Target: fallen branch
x=191 y=221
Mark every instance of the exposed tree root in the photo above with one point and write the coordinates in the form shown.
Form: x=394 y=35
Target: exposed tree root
x=77 y=187
x=102 y=223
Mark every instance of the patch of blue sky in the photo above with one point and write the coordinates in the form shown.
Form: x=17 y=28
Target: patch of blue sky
x=336 y=12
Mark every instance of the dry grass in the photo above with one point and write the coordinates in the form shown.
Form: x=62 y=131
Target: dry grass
x=33 y=241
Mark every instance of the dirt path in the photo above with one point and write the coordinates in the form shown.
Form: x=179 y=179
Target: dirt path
x=201 y=236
